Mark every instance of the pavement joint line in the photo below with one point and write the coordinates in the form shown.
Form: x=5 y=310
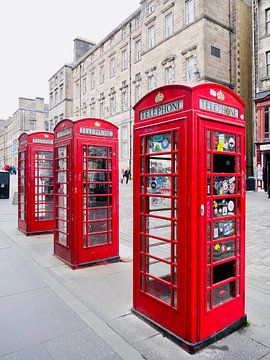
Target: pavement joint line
x=109 y=335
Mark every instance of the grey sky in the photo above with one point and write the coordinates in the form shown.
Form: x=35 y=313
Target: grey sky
x=36 y=39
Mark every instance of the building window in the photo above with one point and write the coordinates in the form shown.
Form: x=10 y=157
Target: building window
x=124 y=139
x=268 y=63
x=61 y=76
x=169 y=75
x=61 y=117
x=61 y=93
x=101 y=50
x=92 y=108
x=151 y=6
x=168 y=25
x=125 y=31
x=190 y=69
x=101 y=74
x=46 y=125
x=267 y=122
x=32 y=125
x=84 y=86
x=190 y=11
x=267 y=21
x=113 y=105
x=124 y=100
x=151 y=37
x=51 y=100
x=138 y=50
x=137 y=21
x=215 y=51
x=138 y=92
x=56 y=97
x=112 y=67
x=151 y=82
x=124 y=59
x=77 y=89
x=92 y=80
x=101 y=108
x=112 y=42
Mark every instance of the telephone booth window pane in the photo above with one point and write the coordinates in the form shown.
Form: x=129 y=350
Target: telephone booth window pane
x=224 y=207
x=223 y=293
x=209 y=140
x=224 y=185
x=223 y=250
x=224 y=142
x=158 y=289
x=223 y=229
x=159 y=143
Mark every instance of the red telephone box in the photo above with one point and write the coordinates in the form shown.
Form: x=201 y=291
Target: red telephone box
x=35 y=183
x=189 y=212
x=86 y=192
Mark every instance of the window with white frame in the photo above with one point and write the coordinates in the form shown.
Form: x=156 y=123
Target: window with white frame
x=190 y=69
x=151 y=6
x=61 y=93
x=267 y=21
x=151 y=82
x=112 y=67
x=190 y=11
x=32 y=125
x=101 y=50
x=138 y=92
x=266 y=127
x=61 y=117
x=124 y=59
x=169 y=75
x=77 y=89
x=124 y=141
x=112 y=41
x=137 y=21
x=92 y=108
x=168 y=25
x=56 y=96
x=92 y=80
x=125 y=31
x=268 y=63
x=61 y=75
x=101 y=74
x=124 y=99
x=138 y=50
x=113 y=104
x=151 y=37
x=84 y=85
x=51 y=100
x=102 y=108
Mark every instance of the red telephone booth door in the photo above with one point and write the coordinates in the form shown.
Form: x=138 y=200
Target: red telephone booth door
x=222 y=178
x=97 y=184
x=159 y=174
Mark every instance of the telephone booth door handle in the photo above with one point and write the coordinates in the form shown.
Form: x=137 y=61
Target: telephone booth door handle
x=202 y=210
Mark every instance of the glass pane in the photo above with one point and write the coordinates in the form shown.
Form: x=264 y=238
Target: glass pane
x=159 y=185
x=224 y=207
x=224 y=142
x=159 y=143
x=223 y=229
x=99 y=214
x=223 y=250
x=99 y=151
x=99 y=176
x=99 y=239
x=159 y=164
x=94 y=164
x=96 y=201
x=159 y=227
x=158 y=289
x=62 y=239
x=62 y=151
x=223 y=293
x=160 y=249
x=224 y=185
x=159 y=204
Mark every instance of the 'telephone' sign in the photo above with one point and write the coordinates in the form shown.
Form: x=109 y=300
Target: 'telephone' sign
x=218 y=108
x=161 y=109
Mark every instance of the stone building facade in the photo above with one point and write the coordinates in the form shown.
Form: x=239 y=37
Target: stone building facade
x=165 y=42
x=32 y=115
x=261 y=94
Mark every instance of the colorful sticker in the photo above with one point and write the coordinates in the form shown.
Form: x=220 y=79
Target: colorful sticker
x=165 y=143
x=217 y=247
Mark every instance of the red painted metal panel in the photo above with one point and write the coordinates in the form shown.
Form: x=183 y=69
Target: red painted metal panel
x=86 y=171
x=197 y=133
x=35 y=182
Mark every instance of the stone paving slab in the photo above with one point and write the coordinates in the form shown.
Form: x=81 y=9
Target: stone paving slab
x=37 y=352
x=34 y=317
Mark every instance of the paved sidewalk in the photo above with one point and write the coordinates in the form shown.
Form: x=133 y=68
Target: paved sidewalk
x=48 y=311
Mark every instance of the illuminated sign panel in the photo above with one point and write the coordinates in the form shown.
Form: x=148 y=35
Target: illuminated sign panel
x=161 y=109
x=218 y=108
